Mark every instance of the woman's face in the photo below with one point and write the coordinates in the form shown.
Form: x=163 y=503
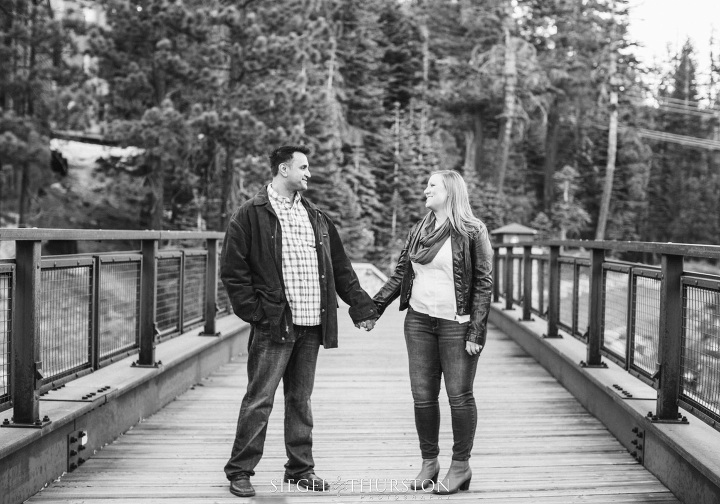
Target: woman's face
x=435 y=193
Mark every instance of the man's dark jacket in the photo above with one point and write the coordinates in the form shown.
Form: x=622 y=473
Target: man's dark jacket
x=472 y=258
x=251 y=270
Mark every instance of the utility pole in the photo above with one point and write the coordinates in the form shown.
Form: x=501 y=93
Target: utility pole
x=612 y=136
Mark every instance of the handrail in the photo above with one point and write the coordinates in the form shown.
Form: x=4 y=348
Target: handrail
x=35 y=234
x=683 y=249
x=97 y=297
x=661 y=324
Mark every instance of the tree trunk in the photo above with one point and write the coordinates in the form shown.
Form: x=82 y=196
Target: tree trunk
x=425 y=34
x=610 y=170
x=20 y=60
x=160 y=85
x=395 y=201
x=551 y=151
x=29 y=101
x=331 y=70
x=209 y=172
x=331 y=98
x=156 y=181
x=470 y=151
x=479 y=142
x=474 y=145
x=5 y=102
x=510 y=74
x=227 y=200
x=23 y=200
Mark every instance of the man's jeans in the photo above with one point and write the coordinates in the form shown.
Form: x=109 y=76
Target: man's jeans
x=268 y=363
x=437 y=347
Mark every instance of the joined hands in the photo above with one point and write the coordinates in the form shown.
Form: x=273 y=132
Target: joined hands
x=366 y=324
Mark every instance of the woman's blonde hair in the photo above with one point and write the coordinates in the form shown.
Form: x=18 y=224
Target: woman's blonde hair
x=457 y=205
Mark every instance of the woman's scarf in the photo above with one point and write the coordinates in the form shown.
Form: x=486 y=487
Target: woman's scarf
x=431 y=239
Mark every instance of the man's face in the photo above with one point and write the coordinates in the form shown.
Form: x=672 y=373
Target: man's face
x=298 y=172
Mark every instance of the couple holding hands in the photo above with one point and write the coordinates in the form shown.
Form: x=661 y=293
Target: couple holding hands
x=283 y=264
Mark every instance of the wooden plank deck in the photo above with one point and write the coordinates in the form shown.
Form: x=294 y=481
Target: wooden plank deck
x=534 y=443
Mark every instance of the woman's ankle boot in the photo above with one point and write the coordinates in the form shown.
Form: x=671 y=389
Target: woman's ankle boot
x=428 y=475
x=457 y=478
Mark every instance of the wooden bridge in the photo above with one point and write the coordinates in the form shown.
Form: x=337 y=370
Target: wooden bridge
x=534 y=444
x=121 y=377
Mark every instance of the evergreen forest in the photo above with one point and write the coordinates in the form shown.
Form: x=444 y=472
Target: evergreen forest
x=540 y=104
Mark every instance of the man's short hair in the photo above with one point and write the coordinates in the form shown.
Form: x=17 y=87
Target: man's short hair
x=284 y=154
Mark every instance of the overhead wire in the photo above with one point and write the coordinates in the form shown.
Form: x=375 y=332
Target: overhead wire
x=675 y=103
x=697 y=113
x=679 y=139
x=662 y=136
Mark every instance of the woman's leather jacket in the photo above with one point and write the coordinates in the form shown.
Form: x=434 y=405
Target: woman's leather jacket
x=472 y=271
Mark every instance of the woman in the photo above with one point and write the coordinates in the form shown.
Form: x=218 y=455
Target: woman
x=444 y=278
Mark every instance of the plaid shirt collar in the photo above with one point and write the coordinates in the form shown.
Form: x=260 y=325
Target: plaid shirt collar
x=284 y=202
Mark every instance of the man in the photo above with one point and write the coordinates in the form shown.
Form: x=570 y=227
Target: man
x=282 y=265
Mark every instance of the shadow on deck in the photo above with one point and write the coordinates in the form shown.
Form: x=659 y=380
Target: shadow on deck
x=535 y=443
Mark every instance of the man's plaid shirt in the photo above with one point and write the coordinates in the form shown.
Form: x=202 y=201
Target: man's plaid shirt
x=299 y=259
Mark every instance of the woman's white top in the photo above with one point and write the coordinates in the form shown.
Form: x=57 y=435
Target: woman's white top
x=433 y=290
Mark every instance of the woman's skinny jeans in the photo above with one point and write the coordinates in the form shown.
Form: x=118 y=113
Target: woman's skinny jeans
x=436 y=347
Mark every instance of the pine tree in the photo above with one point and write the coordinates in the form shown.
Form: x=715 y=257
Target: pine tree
x=157 y=59
x=36 y=53
x=459 y=30
x=681 y=174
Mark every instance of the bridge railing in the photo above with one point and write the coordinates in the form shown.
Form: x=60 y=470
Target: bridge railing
x=62 y=317
x=661 y=323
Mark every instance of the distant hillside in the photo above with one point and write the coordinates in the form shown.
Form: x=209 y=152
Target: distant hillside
x=89 y=194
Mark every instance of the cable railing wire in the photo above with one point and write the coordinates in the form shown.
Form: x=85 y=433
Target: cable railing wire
x=6 y=315
x=64 y=320
x=615 y=316
x=700 y=385
x=644 y=326
x=118 y=307
x=167 y=316
x=195 y=265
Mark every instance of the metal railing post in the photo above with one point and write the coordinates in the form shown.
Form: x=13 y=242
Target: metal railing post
x=630 y=340
x=148 y=304
x=554 y=293
x=210 y=328
x=95 y=315
x=508 y=278
x=181 y=295
x=27 y=367
x=670 y=348
x=527 y=283
x=496 y=276
x=541 y=286
x=595 y=315
x=575 y=297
